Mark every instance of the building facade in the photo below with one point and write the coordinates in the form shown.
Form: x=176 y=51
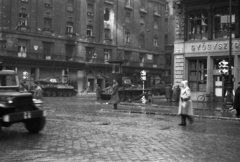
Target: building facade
x=73 y=40
x=202 y=41
x=169 y=36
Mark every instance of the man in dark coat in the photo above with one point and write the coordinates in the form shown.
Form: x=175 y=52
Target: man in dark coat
x=114 y=95
x=237 y=100
x=98 y=92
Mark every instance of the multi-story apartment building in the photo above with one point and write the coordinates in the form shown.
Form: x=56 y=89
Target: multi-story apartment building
x=202 y=41
x=73 y=40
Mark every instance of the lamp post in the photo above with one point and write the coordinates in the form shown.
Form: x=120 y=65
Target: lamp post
x=229 y=100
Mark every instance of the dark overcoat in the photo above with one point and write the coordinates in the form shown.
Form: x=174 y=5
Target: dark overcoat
x=115 y=95
x=237 y=100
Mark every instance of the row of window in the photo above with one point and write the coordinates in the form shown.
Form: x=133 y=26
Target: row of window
x=91 y=55
x=211 y=24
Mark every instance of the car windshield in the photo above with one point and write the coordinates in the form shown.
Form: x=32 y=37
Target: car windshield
x=8 y=80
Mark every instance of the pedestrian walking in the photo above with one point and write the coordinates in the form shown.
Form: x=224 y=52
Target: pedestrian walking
x=115 y=95
x=98 y=92
x=236 y=104
x=38 y=92
x=176 y=93
x=185 y=109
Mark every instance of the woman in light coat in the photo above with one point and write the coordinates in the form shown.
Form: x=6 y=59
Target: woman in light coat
x=185 y=109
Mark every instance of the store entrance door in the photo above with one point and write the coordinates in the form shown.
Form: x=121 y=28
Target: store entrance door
x=218 y=87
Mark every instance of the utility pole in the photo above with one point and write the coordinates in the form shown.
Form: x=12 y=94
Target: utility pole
x=229 y=100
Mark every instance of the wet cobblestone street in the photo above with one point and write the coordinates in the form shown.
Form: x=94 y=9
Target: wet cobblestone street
x=79 y=130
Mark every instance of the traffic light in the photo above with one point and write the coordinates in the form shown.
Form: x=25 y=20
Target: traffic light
x=143 y=75
x=223 y=67
x=143 y=99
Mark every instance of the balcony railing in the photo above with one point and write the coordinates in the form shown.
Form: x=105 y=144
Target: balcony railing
x=41 y=56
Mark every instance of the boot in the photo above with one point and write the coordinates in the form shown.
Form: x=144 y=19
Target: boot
x=183 y=121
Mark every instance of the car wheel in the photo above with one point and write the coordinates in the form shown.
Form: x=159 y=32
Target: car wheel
x=35 y=125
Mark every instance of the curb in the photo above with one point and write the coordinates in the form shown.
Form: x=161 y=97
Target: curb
x=169 y=114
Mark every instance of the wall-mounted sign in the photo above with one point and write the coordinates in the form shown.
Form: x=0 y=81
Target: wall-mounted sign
x=211 y=46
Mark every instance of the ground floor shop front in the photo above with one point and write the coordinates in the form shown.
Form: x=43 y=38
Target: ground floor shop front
x=199 y=64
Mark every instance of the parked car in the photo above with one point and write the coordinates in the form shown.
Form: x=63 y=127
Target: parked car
x=19 y=106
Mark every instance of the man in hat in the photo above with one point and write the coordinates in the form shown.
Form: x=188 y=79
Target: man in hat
x=236 y=104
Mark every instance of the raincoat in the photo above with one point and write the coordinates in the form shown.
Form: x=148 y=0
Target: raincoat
x=185 y=102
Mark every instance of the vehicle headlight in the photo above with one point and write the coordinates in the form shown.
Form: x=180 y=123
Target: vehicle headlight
x=38 y=103
x=10 y=100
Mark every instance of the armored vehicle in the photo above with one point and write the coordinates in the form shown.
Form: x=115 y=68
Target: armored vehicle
x=56 y=89
x=127 y=90
x=17 y=106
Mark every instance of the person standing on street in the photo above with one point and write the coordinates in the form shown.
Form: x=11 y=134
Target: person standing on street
x=38 y=92
x=185 y=109
x=236 y=104
x=98 y=92
x=114 y=95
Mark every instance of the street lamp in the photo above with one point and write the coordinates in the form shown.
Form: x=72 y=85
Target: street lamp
x=229 y=100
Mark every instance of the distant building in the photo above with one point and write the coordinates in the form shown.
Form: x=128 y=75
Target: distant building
x=73 y=40
x=202 y=41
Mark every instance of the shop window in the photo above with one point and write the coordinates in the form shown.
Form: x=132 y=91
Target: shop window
x=221 y=23
x=197 y=74
x=198 y=25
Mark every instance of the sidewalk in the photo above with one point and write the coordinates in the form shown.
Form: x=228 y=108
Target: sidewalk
x=213 y=110
x=159 y=105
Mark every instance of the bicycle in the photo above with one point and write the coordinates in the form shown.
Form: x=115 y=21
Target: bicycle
x=208 y=96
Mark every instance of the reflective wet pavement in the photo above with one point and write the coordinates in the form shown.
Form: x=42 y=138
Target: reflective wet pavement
x=81 y=129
